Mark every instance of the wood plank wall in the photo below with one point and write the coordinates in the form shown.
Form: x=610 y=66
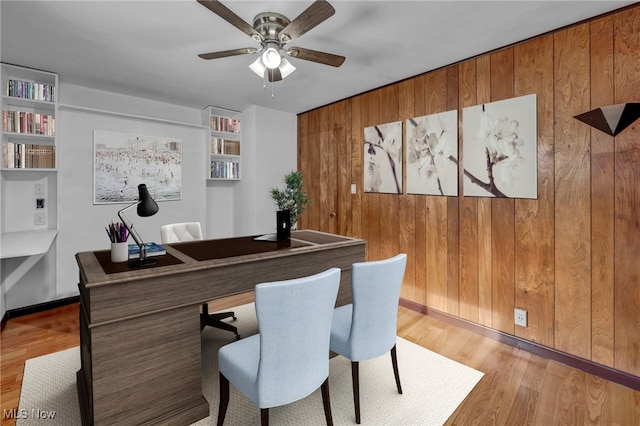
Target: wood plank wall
x=570 y=257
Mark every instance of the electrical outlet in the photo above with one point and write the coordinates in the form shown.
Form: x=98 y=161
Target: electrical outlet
x=39 y=189
x=40 y=219
x=520 y=317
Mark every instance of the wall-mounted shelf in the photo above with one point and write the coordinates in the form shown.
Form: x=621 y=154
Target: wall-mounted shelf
x=224 y=143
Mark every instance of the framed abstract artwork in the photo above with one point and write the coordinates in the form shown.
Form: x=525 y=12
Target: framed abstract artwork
x=383 y=158
x=500 y=149
x=123 y=161
x=432 y=154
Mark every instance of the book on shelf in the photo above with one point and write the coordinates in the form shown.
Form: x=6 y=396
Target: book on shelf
x=224 y=124
x=225 y=170
x=153 y=249
x=28 y=156
x=28 y=122
x=30 y=90
x=225 y=146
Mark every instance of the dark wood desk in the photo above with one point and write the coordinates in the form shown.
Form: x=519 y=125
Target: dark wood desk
x=140 y=327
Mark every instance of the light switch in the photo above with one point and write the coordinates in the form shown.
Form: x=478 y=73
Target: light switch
x=354 y=189
x=39 y=189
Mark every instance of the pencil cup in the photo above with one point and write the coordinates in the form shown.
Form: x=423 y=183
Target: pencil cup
x=119 y=252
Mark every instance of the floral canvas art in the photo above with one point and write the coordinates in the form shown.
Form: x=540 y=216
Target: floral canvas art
x=383 y=158
x=432 y=154
x=500 y=149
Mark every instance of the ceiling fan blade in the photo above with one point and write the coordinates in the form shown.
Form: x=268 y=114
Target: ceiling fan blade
x=225 y=53
x=318 y=12
x=225 y=13
x=316 y=56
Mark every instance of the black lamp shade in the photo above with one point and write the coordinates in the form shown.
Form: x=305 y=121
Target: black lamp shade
x=147 y=206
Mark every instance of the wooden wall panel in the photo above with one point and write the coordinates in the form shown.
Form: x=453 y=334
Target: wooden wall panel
x=602 y=202
x=534 y=256
x=421 y=253
x=389 y=203
x=436 y=207
x=485 y=281
x=572 y=206
x=468 y=230
x=568 y=257
x=406 y=209
x=357 y=152
x=627 y=196
x=453 y=203
x=502 y=213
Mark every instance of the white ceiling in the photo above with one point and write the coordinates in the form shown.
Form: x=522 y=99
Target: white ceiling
x=149 y=48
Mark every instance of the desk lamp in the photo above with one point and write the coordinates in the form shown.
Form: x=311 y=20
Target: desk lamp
x=146 y=207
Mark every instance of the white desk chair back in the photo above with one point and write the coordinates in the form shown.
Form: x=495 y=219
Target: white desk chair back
x=367 y=328
x=179 y=232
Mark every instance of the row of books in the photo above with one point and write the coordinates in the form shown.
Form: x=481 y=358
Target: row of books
x=225 y=170
x=28 y=122
x=224 y=124
x=225 y=146
x=28 y=156
x=30 y=90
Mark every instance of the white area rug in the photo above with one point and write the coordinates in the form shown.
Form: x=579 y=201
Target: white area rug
x=433 y=386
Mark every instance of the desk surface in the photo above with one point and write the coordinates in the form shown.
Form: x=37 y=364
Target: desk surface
x=26 y=243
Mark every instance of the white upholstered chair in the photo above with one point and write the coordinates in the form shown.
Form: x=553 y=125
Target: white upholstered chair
x=366 y=328
x=289 y=357
x=192 y=231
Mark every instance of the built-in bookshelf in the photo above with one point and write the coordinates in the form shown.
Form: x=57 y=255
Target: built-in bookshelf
x=29 y=104
x=223 y=147
x=28 y=158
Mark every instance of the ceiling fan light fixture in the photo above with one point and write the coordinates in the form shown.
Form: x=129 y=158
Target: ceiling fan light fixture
x=271 y=57
x=286 y=67
x=258 y=67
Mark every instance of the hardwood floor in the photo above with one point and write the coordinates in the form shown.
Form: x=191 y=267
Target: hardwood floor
x=519 y=388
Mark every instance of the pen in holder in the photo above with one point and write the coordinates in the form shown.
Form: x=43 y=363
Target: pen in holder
x=118 y=236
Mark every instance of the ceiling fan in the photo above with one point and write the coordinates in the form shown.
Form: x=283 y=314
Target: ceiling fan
x=273 y=31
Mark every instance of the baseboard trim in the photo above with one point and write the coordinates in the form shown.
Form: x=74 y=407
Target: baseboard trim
x=40 y=307
x=5 y=318
x=591 y=367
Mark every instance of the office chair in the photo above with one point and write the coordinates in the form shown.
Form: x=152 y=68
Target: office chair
x=289 y=358
x=192 y=231
x=366 y=328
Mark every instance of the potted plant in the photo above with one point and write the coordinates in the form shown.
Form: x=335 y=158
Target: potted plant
x=293 y=197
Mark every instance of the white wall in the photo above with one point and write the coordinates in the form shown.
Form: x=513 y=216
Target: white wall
x=224 y=208
x=269 y=143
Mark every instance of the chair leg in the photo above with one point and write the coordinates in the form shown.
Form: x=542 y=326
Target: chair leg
x=224 y=399
x=326 y=402
x=394 y=361
x=264 y=417
x=355 y=378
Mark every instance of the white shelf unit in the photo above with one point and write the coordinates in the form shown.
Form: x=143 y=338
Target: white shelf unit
x=29 y=149
x=224 y=143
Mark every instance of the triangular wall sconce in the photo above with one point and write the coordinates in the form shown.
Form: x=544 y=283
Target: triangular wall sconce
x=611 y=119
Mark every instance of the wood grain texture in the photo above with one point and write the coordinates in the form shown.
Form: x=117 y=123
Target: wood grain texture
x=502 y=213
x=534 y=224
x=572 y=193
x=602 y=198
x=627 y=196
x=567 y=257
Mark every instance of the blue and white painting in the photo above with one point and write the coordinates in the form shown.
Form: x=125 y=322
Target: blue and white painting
x=123 y=161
